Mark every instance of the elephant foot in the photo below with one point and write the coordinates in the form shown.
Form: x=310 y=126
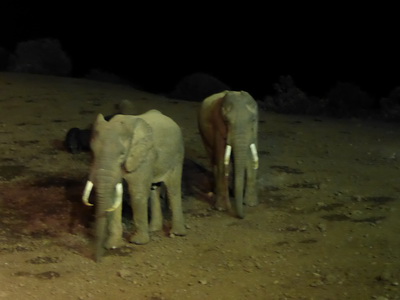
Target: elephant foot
x=220 y=208
x=178 y=230
x=255 y=203
x=251 y=201
x=156 y=226
x=113 y=243
x=140 y=238
x=222 y=204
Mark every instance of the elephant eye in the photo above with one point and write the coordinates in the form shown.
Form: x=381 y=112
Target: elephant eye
x=226 y=108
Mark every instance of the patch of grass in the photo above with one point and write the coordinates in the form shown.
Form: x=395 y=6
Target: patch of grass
x=376 y=200
x=286 y=169
x=336 y=217
x=373 y=220
x=306 y=185
x=8 y=173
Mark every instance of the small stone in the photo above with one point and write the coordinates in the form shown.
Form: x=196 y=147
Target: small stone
x=124 y=273
x=203 y=281
x=331 y=278
x=321 y=227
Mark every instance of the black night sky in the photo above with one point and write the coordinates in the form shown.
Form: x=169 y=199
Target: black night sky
x=246 y=47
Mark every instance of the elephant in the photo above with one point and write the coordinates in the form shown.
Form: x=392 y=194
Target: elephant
x=78 y=140
x=228 y=125
x=144 y=150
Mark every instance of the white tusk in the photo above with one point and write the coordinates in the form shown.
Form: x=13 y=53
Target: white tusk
x=227 y=157
x=86 y=193
x=253 y=149
x=118 y=197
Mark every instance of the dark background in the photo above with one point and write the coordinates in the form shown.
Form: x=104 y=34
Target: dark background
x=247 y=47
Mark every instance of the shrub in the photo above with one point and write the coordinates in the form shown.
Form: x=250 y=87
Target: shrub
x=290 y=99
x=390 y=106
x=347 y=100
x=42 y=56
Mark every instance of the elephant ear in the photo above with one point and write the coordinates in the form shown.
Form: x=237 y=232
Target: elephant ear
x=140 y=146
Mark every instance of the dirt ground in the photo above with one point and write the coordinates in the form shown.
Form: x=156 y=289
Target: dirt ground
x=327 y=226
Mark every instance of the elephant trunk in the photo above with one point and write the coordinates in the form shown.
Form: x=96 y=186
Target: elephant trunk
x=240 y=154
x=109 y=197
x=104 y=196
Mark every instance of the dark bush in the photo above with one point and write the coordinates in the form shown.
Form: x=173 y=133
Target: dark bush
x=390 y=106
x=348 y=100
x=197 y=87
x=42 y=56
x=290 y=99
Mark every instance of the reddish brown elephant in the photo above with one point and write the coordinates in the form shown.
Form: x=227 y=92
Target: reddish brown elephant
x=228 y=124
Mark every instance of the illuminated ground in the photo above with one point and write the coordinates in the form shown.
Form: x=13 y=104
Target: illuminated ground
x=327 y=227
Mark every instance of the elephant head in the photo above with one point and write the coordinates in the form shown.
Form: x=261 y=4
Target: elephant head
x=118 y=146
x=228 y=123
x=240 y=114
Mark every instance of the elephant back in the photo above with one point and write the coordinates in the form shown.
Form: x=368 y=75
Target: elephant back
x=165 y=129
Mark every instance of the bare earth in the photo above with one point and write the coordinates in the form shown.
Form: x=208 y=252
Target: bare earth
x=327 y=226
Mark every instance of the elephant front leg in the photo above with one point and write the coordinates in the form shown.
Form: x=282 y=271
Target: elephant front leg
x=140 y=216
x=221 y=174
x=222 y=201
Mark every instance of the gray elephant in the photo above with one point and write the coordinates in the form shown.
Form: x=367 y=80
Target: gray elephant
x=228 y=124
x=144 y=150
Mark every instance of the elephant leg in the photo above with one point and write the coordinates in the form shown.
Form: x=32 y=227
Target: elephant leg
x=221 y=180
x=115 y=229
x=221 y=187
x=251 y=197
x=155 y=209
x=174 y=195
x=139 y=201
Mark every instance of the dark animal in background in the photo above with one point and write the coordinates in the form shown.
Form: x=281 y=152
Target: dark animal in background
x=78 y=140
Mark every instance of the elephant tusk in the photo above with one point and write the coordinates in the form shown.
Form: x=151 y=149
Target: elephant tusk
x=118 y=197
x=86 y=193
x=253 y=149
x=227 y=157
